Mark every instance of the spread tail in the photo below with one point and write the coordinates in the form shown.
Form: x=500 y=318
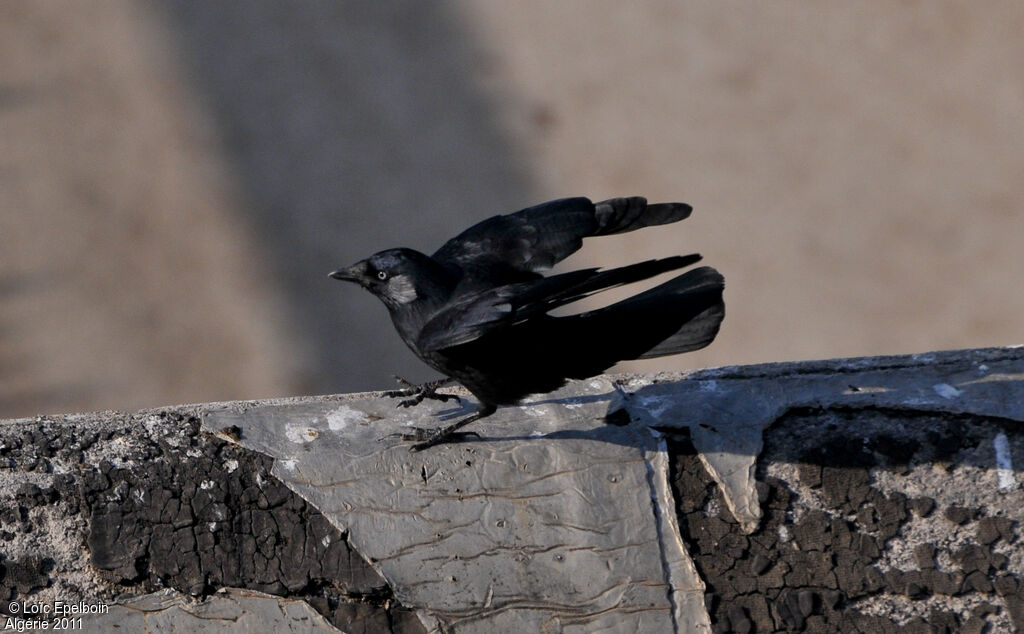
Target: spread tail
x=681 y=315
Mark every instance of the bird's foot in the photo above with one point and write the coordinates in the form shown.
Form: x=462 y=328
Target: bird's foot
x=426 y=438
x=419 y=393
x=431 y=438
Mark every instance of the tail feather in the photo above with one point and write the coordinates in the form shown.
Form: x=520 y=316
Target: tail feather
x=558 y=290
x=681 y=315
x=539 y=354
x=700 y=289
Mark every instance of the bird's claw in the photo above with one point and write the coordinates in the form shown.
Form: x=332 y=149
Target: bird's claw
x=419 y=393
x=431 y=394
x=426 y=438
x=417 y=433
x=438 y=437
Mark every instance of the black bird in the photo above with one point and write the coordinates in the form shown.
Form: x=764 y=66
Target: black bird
x=477 y=309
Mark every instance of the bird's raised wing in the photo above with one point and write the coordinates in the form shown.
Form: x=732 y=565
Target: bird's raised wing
x=474 y=315
x=516 y=247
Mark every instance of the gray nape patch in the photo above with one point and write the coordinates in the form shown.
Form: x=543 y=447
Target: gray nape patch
x=401 y=289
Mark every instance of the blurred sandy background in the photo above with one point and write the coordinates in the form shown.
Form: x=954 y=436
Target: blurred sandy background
x=177 y=178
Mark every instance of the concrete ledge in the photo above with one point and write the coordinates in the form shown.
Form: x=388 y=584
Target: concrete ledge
x=876 y=494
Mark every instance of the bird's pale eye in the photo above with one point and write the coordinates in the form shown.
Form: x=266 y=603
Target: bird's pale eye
x=382 y=275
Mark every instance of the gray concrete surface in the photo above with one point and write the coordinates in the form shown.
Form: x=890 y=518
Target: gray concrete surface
x=875 y=495
x=176 y=178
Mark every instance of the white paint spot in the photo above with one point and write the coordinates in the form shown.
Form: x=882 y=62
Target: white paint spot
x=212 y=526
x=139 y=495
x=288 y=464
x=299 y=434
x=536 y=434
x=1004 y=463
x=595 y=385
x=712 y=509
x=945 y=390
x=344 y=416
x=783 y=533
x=982 y=368
x=326 y=541
x=206 y=485
x=231 y=465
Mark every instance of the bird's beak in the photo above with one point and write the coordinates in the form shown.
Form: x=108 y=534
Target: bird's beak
x=350 y=274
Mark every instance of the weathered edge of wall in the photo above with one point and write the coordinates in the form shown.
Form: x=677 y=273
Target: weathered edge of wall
x=843 y=495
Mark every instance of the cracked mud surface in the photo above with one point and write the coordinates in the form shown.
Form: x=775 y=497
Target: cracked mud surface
x=149 y=502
x=866 y=514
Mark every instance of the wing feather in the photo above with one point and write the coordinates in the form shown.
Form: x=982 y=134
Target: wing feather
x=528 y=241
x=474 y=315
x=517 y=247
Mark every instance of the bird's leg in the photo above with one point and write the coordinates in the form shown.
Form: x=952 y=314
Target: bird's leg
x=421 y=392
x=446 y=434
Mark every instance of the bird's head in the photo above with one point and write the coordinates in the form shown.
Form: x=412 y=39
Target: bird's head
x=396 y=276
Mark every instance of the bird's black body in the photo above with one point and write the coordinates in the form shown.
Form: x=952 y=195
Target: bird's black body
x=477 y=309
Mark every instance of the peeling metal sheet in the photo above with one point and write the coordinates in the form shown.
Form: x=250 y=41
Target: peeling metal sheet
x=496 y=533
